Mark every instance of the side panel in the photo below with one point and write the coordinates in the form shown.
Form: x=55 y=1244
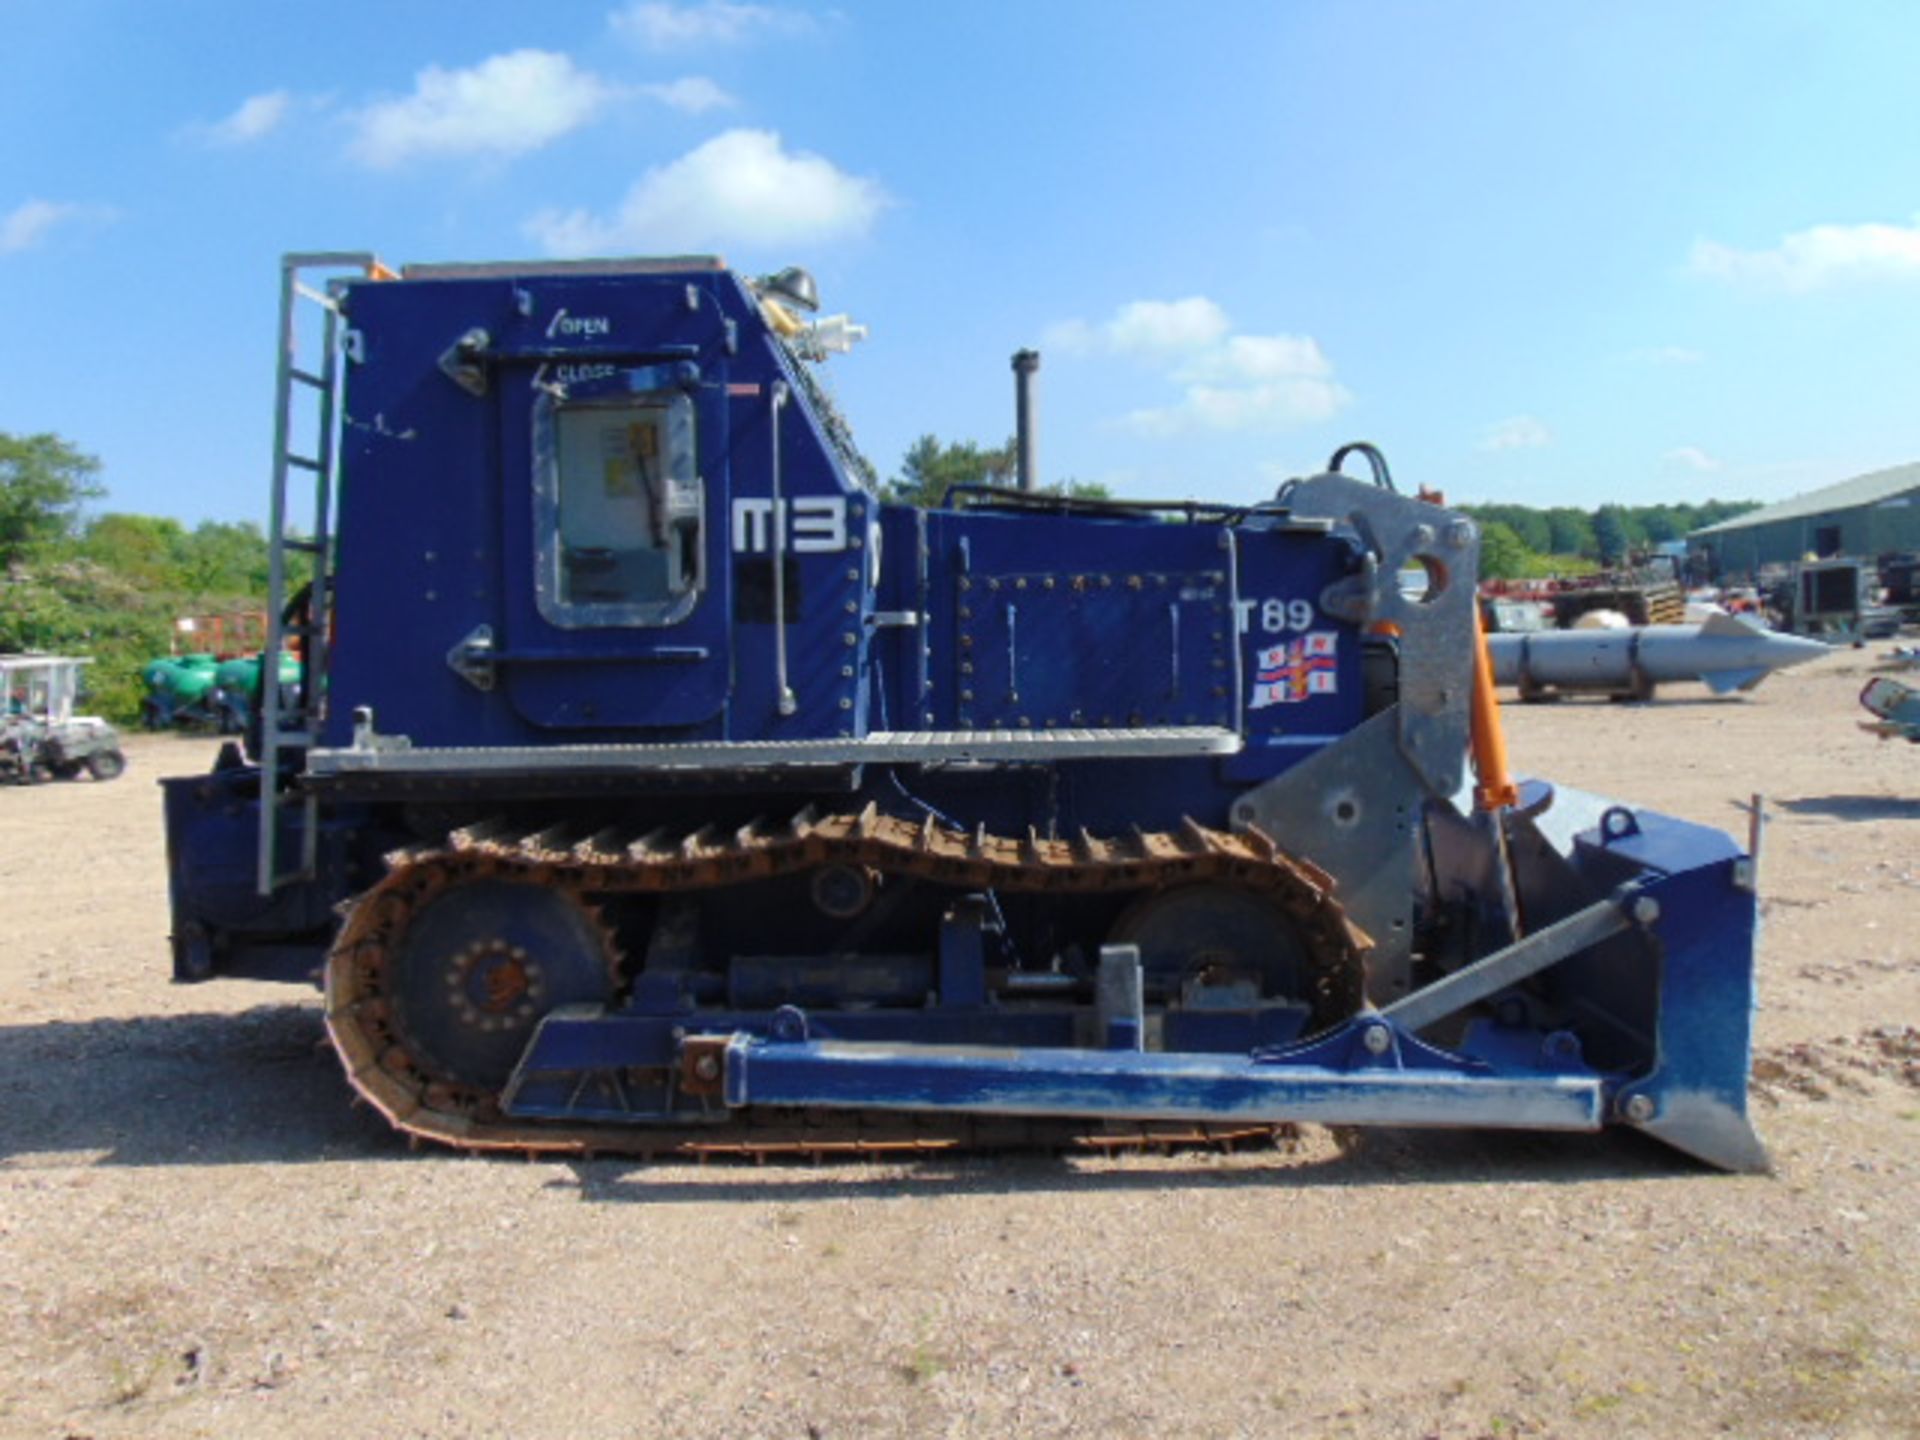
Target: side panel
x=1043 y=622
x=1301 y=672
x=1046 y=647
x=1037 y=621
x=419 y=526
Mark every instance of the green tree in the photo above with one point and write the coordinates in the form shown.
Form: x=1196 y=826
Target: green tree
x=1570 y=532
x=147 y=549
x=227 y=559
x=1665 y=522
x=1527 y=524
x=215 y=559
x=1080 y=489
x=1503 y=554
x=113 y=587
x=1610 y=533
x=930 y=469
x=44 y=482
x=80 y=607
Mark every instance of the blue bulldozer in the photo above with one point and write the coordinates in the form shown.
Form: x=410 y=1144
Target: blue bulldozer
x=654 y=786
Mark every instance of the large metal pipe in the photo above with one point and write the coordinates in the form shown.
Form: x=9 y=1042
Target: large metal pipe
x=1026 y=364
x=1727 y=653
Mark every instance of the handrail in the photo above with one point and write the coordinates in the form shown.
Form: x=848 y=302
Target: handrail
x=786 y=700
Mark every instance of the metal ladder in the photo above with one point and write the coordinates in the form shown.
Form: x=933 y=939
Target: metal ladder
x=295 y=728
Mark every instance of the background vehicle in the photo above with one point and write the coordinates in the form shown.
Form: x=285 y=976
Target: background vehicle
x=1838 y=600
x=40 y=736
x=204 y=690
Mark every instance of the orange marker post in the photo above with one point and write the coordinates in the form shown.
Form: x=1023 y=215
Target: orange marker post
x=1496 y=790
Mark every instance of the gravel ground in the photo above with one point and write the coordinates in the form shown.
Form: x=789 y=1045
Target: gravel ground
x=199 y=1236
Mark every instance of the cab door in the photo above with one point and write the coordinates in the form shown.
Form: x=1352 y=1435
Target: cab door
x=616 y=603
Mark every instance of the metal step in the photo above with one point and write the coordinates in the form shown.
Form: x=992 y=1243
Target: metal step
x=395 y=756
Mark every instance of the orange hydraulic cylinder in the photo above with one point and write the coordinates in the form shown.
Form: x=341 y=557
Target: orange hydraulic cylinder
x=1496 y=789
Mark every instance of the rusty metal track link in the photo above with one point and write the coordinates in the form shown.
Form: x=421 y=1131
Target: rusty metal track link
x=617 y=861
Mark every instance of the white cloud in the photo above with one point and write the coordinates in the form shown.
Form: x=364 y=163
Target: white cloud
x=1250 y=381
x=1157 y=327
x=1144 y=328
x=29 y=223
x=1519 y=432
x=1814 y=258
x=1693 y=457
x=506 y=105
x=1227 y=381
x=694 y=94
x=258 y=116
x=1147 y=329
x=659 y=26
x=1274 y=405
x=1260 y=358
x=742 y=187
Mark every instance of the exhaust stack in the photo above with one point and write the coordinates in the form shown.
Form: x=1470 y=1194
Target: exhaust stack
x=1026 y=364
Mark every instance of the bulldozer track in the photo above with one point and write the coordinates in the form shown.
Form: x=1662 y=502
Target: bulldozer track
x=605 y=863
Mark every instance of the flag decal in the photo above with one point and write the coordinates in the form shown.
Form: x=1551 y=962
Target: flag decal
x=1298 y=669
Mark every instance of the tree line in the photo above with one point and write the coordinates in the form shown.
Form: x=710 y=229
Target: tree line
x=929 y=469
x=1520 y=541
x=110 y=585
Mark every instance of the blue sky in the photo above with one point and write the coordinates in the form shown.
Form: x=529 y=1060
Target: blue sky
x=1556 y=254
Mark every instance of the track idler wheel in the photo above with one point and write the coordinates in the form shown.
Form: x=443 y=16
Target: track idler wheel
x=480 y=964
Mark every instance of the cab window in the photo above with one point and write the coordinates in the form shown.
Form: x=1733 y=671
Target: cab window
x=619 y=504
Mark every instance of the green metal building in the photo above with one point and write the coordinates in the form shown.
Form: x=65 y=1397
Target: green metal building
x=1868 y=516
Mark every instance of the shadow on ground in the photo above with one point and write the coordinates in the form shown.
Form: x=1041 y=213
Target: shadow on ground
x=1854 y=807
x=210 y=1089
x=261 y=1087
x=1379 y=1157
